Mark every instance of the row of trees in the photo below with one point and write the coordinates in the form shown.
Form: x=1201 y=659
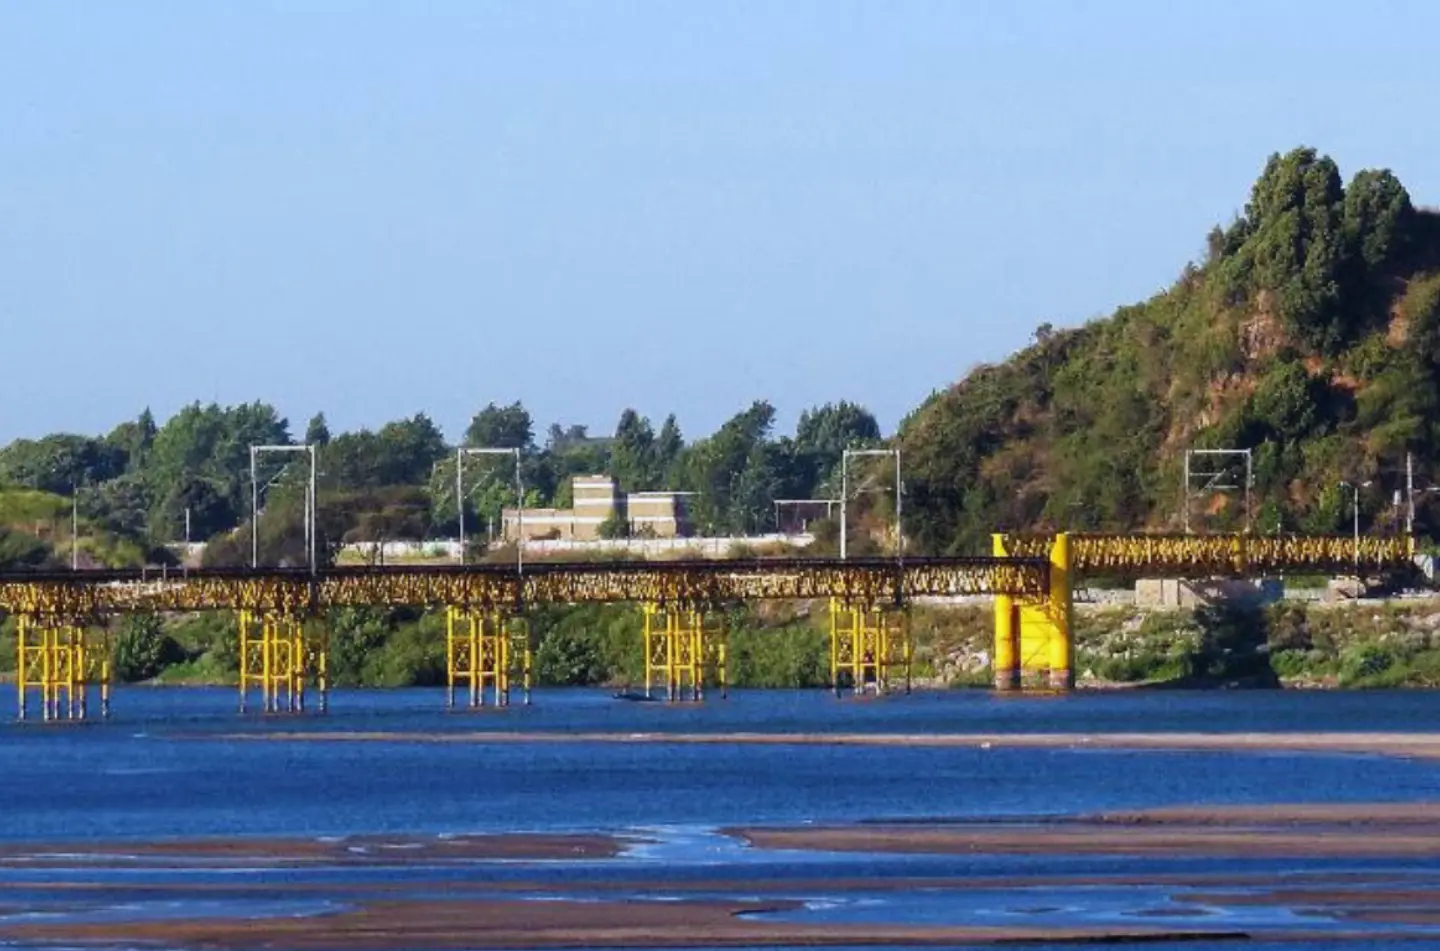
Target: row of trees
x=193 y=472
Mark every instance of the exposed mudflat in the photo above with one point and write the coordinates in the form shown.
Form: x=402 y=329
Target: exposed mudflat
x=619 y=903
x=1410 y=830
x=293 y=852
x=447 y=925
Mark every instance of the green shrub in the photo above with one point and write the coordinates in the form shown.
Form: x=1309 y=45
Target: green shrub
x=143 y=649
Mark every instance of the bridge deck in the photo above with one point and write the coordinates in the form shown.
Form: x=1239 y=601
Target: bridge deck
x=1025 y=572
x=1231 y=555
x=679 y=582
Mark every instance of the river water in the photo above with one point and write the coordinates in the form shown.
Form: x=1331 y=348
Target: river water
x=178 y=763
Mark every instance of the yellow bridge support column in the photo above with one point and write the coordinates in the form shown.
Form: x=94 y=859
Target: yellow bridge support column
x=486 y=650
x=61 y=659
x=868 y=645
x=1006 y=664
x=681 y=645
x=1061 y=610
x=1035 y=634
x=279 y=659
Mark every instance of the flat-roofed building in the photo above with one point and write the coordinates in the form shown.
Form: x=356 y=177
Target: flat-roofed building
x=595 y=495
x=597 y=500
x=657 y=514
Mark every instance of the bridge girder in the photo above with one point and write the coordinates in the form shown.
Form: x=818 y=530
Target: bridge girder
x=1229 y=555
x=698 y=583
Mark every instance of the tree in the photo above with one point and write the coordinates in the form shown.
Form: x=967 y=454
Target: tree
x=668 y=448
x=143 y=649
x=403 y=452
x=714 y=465
x=614 y=526
x=501 y=427
x=633 y=460
x=208 y=444
x=824 y=433
x=59 y=463
x=1378 y=219
x=20 y=551
x=317 y=433
x=357 y=635
x=1295 y=247
x=407 y=449
x=755 y=488
x=134 y=439
x=122 y=505
x=569 y=658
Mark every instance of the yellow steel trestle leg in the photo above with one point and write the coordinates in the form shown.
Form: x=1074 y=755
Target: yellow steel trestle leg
x=279 y=658
x=869 y=645
x=681 y=644
x=486 y=649
x=61 y=658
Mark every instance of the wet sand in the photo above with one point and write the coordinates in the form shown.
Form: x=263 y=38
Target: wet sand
x=711 y=886
x=629 y=906
x=455 y=925
x=1399 y=831
x=1421 y=745
x=290 y=853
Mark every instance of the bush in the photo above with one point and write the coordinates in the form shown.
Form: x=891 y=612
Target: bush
x=1365 y=662
x=143 y=649
x=569 y=658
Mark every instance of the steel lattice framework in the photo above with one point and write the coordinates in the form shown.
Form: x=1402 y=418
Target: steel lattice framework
x=692 y=583
x=1233 y=555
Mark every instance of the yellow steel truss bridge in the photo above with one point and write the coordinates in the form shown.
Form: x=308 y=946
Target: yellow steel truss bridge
x=1033 y=634
x=284 y=654
x=62 y=649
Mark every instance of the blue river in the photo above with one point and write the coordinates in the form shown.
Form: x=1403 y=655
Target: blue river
x=178 y=763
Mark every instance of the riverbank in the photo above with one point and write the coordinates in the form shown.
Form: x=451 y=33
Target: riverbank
x=1365 y=644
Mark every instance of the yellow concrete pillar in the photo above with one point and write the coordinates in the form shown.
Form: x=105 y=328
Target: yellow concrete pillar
x=1006 y=655
x=1061 y=610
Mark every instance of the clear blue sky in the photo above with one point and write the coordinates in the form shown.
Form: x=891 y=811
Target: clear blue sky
x=381 y=208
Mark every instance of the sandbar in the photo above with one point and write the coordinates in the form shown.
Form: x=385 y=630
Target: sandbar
x=1385 y=830
x=1419 y=745
x=454 y=925
x=291 y=852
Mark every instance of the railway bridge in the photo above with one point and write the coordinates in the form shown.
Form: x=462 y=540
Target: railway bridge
x=63 y=647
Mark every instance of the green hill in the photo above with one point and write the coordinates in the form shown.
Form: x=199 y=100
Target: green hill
x=1309 y=334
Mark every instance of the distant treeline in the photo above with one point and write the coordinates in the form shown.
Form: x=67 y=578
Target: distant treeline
x=149 y=483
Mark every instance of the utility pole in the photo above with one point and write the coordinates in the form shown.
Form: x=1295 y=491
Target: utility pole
x=74 y=526
x=1355 y=516
x=1217 y=479
x=460 y=453
x=845 y=458
x=1409 y=495
x=309 y=514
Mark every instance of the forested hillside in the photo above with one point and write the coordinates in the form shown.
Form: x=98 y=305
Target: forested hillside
x=1309 y=333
